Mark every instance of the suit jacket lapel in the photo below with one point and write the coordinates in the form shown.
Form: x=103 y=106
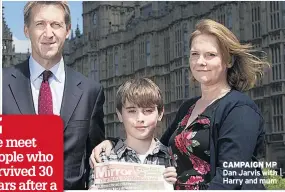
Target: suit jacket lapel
x=71 y=95
x=20 y=87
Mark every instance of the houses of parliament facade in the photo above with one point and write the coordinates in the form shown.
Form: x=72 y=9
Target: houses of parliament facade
x=9 y=56
x=122 y=40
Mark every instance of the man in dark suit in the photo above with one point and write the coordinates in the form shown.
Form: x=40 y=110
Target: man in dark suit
x=45 y=85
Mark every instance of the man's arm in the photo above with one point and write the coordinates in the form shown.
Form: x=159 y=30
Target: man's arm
x=97 y=128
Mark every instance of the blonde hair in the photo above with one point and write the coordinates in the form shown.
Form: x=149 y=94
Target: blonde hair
x=142 y=92
x=244 y=68
x=29 y=6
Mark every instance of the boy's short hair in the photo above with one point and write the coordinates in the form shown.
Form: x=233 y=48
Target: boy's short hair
x=142 y=92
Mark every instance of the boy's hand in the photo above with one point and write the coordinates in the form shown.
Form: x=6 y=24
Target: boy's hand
x=170 y=175
x=106 y=146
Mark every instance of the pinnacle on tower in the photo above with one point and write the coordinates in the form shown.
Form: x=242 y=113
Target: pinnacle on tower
x=72 y=34
x=3 y=16
x=77 y=31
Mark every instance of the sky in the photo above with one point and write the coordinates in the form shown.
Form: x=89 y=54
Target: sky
x=13 y=12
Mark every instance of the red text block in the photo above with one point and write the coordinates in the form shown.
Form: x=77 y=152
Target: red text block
x=31 y=153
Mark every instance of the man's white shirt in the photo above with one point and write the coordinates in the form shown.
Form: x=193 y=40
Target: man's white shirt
x=56 y=82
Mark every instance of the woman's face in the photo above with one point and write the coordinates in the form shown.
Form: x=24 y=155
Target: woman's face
x=206 y=61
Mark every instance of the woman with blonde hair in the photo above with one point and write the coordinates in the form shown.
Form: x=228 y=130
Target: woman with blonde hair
x=213 y=135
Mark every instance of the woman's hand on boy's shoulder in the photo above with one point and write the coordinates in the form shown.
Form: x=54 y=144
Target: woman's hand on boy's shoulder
x=170 y=175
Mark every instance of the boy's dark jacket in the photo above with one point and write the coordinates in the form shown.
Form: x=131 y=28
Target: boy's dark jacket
x=237 y=134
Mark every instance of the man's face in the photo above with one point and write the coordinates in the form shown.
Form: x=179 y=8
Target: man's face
x=47 y=31
x=139 y=123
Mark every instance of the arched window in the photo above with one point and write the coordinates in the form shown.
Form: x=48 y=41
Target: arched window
x=148 y=62
x=186 y=82
x=253 y=31
x=95 y=19
x=96 y=70
x=185 y=39
x=116 y=63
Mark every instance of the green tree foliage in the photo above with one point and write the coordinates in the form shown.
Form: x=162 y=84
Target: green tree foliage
x=274 y=180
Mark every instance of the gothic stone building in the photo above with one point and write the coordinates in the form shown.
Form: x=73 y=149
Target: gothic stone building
x=9 y=57
x=122 y=40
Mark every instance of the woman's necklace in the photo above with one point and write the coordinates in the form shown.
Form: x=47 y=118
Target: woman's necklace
x=220 y=96
x=204 y=108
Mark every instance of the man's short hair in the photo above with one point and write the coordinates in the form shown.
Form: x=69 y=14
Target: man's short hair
x=142 y=92
x=29 y=6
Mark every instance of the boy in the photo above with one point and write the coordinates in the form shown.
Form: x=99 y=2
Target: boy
x=139 y=108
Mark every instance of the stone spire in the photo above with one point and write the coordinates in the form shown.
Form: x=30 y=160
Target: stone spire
x=77 y=31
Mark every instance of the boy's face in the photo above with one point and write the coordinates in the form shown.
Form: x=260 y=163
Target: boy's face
x=139 y=122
